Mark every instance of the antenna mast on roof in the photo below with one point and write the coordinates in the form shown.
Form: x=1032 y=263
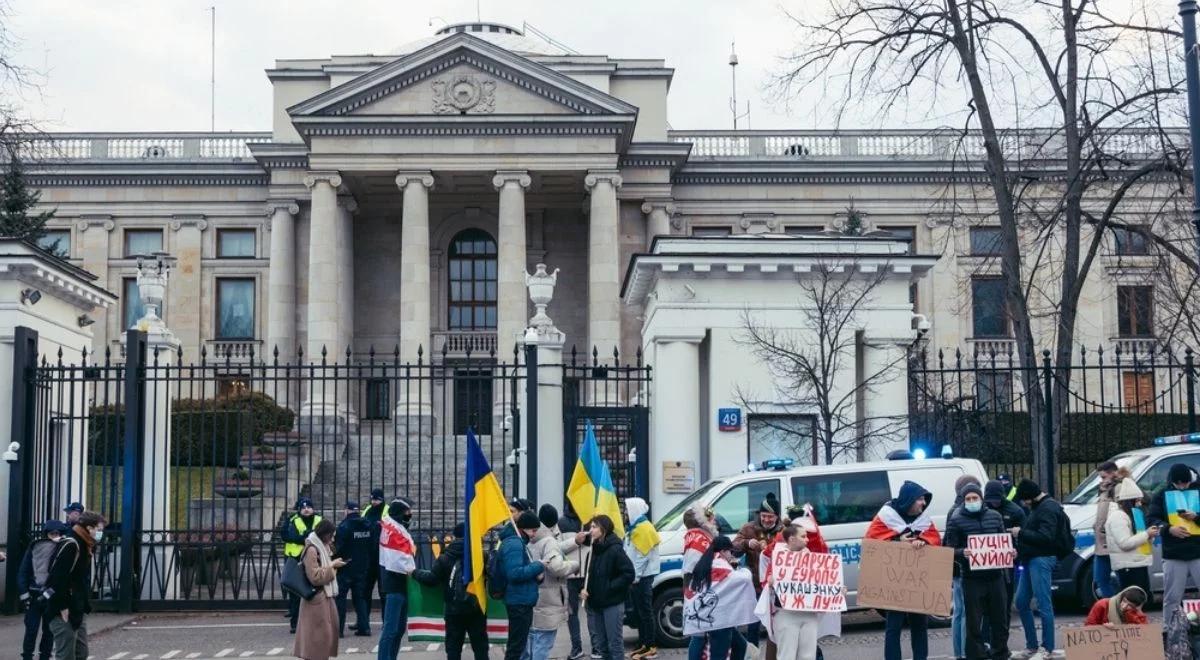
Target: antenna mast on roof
x=733 y=62
x=530 y=28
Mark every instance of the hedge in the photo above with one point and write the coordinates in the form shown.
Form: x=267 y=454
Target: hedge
x=204 y=432
x=1003 y=437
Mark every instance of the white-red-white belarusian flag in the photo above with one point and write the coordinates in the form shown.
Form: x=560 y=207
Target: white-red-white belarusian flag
x=695 y=542
x=397 y=552
x=728 y=602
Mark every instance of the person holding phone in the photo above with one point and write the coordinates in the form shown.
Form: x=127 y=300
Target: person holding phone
x=316 y=629
x=1174 y=508
x=1129 y=538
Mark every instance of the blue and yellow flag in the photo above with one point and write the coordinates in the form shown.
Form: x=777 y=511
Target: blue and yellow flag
x=485 y=508
x=591 y=491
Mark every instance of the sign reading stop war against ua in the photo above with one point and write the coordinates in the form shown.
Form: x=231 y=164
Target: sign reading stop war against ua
x=990 y=551
x=808 y=581
x=1142 y=642
x=896 y=576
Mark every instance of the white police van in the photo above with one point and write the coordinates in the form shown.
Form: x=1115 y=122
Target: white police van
x=1149 y=467
x=844 y=497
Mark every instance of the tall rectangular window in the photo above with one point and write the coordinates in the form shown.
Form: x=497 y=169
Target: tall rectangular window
x=993 y=391
x=1135 y=311
x=57 y=242
x=711 y=232
x=985 y=241
x=131 y=302
x=908 y=234
x=235 y=308
x=989 y=309
x=1130 y=243
x=782 y=436
x=235 y=243
x=143 y=241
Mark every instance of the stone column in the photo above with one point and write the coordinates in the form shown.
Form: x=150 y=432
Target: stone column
x=322 y=266
x=186 y=280
x=604 y=277
x=281 y=282
x=675 y=424
x=93 y=232
x=414 y=404
x=347 y=207
x=658 y=218
x=512 y=309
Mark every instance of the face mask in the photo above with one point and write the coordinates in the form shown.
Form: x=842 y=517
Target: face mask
x=974 y=507
x=98 y=534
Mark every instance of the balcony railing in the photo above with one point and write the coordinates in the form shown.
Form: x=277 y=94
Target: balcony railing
x=228 y=147
x=238 y=351
x=479 y=343
x=984 y=350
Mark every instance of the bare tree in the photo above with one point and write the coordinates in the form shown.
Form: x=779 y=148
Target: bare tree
x=17 y=128
x=1102 y=85
x=809 y=366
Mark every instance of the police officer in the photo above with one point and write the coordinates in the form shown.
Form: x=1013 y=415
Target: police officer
x=295 y=529
x=374 y=513
x=354 y=541
x=72 y=512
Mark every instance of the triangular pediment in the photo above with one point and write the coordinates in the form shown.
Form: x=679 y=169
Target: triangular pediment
x=462 y=75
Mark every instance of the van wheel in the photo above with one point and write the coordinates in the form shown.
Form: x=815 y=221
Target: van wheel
x=668 y=617
x=1085 y=588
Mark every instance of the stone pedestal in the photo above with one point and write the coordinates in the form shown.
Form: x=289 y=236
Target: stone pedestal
x=675 y=416
x=551 y=480
x=161 y=353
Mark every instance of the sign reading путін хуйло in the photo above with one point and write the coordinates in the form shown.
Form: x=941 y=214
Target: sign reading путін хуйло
x=990 y=551
x=1142 y=642
x=808 y=581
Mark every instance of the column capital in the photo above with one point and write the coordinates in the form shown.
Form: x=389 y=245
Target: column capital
x=504 y=177
x=288 y=205
x=334 y=179
x=595 y=177
x=665 y=205
x=86 y=221
x=423 y=177
x=180 y=221
x=348 y=203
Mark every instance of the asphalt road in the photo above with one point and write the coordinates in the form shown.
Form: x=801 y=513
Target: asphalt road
x=264 y=636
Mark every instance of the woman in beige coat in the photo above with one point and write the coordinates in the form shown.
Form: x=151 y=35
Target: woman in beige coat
x=317 y=625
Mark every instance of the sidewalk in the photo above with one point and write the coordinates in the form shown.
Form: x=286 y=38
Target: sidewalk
x=12 y=628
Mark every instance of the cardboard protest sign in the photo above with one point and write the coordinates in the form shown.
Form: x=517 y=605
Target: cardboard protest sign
x=990 y=551
x=1143 y=642
x=897 y=576
x=808 y=581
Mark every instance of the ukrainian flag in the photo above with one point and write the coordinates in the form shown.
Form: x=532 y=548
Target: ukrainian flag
x=591 y=491
x=485 y=508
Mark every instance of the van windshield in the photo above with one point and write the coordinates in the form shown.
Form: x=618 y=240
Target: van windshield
x=674 y=518
x=1089 y=491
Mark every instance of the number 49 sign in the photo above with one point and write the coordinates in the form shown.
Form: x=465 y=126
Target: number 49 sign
x=729 y=419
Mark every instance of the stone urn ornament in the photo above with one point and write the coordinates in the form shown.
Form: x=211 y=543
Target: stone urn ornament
x=541 y=292
x=153 y=271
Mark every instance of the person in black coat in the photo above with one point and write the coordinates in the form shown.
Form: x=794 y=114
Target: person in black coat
x=69 y=587
x=1180 y=547
x=610 y=576
x=373 y=513
x=995 y=498
x=31 y=582
x=461 y=612
x=1045 y=538
x=353 y=542
x=983 y=590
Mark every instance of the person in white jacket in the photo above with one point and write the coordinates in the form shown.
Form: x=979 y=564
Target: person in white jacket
x=550 y=612
x=641 y=544
x=1128 y=536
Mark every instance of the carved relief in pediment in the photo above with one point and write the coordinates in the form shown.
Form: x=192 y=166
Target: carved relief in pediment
x=464 y=93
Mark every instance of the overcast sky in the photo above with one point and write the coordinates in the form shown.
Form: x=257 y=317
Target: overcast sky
x=143 y=65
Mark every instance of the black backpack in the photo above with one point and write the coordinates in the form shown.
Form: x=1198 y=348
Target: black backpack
x=497 y=582
x=1064 y=543
x=458 y=589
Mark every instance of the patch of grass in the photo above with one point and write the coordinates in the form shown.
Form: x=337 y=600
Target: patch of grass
x=104 y=490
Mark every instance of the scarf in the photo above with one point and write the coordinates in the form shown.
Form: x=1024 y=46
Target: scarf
x=896 y=522
x=323 y=559
x=86 y=536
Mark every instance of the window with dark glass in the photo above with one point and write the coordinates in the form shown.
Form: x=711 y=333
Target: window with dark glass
x=1135 y=311
x=472 y=401
x=993 y=391
x=803 y=230
x=235 y=308
x=143 y=241
x=989 y=308
x=908 y=234
x=131 y=302
x=235 y=243
x=472 y=270
x=711 y=232
x=840 y=499
x=57 y=242
x=985 y=241
x=782 y=436
x=1130 y=243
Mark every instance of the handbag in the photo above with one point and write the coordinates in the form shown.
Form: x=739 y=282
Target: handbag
x=294 y=580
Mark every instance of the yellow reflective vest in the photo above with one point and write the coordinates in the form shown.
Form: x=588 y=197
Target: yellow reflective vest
x=293 y=549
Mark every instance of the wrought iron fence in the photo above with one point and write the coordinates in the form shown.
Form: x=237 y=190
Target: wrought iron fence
x=1116 y=400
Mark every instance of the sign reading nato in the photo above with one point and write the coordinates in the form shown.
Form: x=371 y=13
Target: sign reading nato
x=729 y=419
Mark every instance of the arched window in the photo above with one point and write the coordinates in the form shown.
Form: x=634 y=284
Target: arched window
x=472 y=281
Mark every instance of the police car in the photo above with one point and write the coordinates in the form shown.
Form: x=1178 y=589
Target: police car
x=844 y=498
x=1149 y=467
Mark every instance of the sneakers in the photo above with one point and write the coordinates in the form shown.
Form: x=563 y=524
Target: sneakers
x=577 y=655
x=645 y=653
x=1044 y=654
x=1024 y=654
x=597 y=656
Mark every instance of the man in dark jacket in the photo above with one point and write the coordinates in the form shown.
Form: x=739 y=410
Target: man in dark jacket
x=1174 y=508
x=994 y=498
x=353 y=541
x=461 y=611
x=570 y=526
x=31 y=582
x=69 y=587
x=983 y=590
x=1045 y=538
x=394 y=568
x=373 y=513
x=521 y=578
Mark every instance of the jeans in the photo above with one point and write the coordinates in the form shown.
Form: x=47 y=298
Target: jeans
x=721 y=643
x=37 y=620
x=361 y=599
x=1102 y=576
x=918 y=627
x=643 y=607
x=958 y=618
x=69 y=643
x=986 y=602
x=1175 y=578
x=395 y=624
x=610 y=631
x=520 y=618
x=460 y=626
x=573 y=589
x=1035 y=583
x=293 y=609
x=539 y=645
x=1136 y=577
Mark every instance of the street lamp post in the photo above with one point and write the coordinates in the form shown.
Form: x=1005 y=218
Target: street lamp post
x=1187 y=12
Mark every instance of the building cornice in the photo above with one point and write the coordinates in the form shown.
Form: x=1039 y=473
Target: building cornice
x=669 y=155
x=280 y=155
x=126 y=180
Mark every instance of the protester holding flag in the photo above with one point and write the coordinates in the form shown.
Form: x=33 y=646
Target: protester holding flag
x=609 y=579
x=461 y=612
x=551 y=609
x=984 y=596
x=718 y=599
x=1176 y=509
x=642 y=548
x=1128 y=536
x=701 y=526
x=904 y=519
x=397 y=560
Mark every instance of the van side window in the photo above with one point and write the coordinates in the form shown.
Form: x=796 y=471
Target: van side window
x=1156 y=476
x=739 y=504
x=842 y=498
